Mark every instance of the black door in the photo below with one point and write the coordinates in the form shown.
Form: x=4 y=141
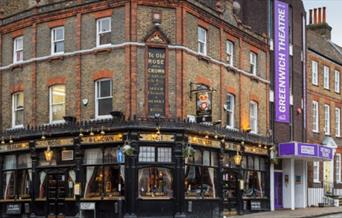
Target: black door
x=56 y=193
x=230 y=192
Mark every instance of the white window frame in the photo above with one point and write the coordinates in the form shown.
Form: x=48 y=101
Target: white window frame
x=337 y=81
x=97 y=82
x=326 y=119
x=200 y=41
x=15 y=109
x=315 y=116
x=315 y=171
x=51 y=104
x=253 y=61
x=253 y=116
x=230 y=52
x=338 y=168
x=337 y=122
x=98 y=30
x=53 y=40
x=17 y=49
x=231 y=111
x=326 y=77
x=314 y=71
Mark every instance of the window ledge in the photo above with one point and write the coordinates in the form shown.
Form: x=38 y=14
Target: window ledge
x=104 y=117
x=56 y=57
x=316 y=132
x=316 y=181
x=203 y=57
x=16 y=65
x=103 y=49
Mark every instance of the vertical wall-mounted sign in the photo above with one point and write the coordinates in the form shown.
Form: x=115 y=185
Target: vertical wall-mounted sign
x=281 y=65
x=156 y=81
x=203 y=104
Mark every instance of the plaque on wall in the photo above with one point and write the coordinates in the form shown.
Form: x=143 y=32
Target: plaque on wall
x=156 y=81
x=13 y=209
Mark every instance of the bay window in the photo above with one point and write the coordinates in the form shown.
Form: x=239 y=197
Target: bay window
x=103 y=98
x=103 y=31
x=18 y=109
x=155 y=174
x=200 y=174
x=57 y=103
x=105 y=174
x=17 y=179
x=18 y=49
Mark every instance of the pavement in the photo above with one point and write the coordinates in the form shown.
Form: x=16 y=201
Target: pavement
x=298 y=213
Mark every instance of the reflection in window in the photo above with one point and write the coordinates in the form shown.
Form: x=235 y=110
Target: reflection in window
x=254 y=184
x=57 y=103
x=146 y=154
x=155 y=182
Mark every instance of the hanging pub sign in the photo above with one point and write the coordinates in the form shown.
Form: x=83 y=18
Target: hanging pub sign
x=156 y=81
x=203 y=105
x=281 y=62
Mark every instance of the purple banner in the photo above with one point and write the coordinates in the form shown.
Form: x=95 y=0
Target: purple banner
x=281 y=62
x=309 y=150
x=325 y=152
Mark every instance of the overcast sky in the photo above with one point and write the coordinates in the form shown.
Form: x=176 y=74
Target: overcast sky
x=334 y=15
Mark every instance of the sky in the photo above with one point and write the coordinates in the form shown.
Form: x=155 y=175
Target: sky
x=334 y=16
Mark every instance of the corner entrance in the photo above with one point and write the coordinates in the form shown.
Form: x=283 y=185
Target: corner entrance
x=56 y=193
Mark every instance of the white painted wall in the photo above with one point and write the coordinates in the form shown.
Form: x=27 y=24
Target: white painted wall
x=287 y=186
x=315 y=196
x=300 y=188
x=272 y=186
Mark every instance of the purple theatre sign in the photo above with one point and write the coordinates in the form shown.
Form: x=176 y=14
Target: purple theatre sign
x=281 y=62
x=304 y=151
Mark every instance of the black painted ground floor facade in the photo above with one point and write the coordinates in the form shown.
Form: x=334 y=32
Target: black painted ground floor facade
x=133 y=169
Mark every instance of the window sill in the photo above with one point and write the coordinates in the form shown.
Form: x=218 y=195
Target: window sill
x=204 y=57
x=56 y=57
x=16 y=65
x=103 y=49
x=104 y=117
x=314 y=131
x=317 y=182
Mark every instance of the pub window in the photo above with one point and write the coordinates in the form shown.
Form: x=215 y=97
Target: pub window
x=103 y=98
x=164 y=155
x=18 y=49
x=230 y=52
x=148 y=154
x=57 y=40
x=104 y=173
x=17 y=178
x=18 y=109
x=253 y=61
x=326 y=77
x=103 y=31
x=200 y=175
x=57 y=103
x=254 y=177
x=337 y=81
x=314 y=71
x=327 y=119
x=253 y=116
x=228 y=160
x=202 y=40
x=230 y=108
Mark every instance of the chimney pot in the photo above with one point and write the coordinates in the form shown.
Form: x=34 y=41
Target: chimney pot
x=310 y=16
x=315 y=16
x=324 y=15
x=319 y=15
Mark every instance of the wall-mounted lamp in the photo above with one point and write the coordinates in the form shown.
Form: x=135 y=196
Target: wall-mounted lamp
x=237 y=158
x=48 y=154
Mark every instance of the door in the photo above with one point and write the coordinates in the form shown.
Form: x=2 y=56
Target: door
x=278 y=190
x=230 y=190
x=56 y=193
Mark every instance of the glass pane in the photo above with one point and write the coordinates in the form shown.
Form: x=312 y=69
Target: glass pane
x=8 y=185
x=164 y=155
x=201 y=34
x=193 y=176
x=105 y=88
x=19 y=117
x=110 y=155
x=105 y=38
x=93 y=156
x=155 y=182
x=59 y=34
x=19 y=43
x=58 y=94
x=105 y=106
x=104 y=25
x=10 y=162
x=19 y=55
x=256 y=163
x=244 y=162
x=146 y=154
x=206 y=158
x=113 y=181
x=59 y=47
x=226 y=160
x=250 y=162
x=24 y=161
x=19 y=100
x=198 y=157
x=24 y=182
x=208 y=186
x=254 y=184
x=58 y=112
x=262 y=164
x=94 y=182
x=214 y=160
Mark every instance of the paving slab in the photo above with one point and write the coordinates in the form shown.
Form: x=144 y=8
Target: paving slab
x=298 y=213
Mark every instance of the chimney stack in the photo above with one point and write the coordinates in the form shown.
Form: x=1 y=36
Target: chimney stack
x=319 y=24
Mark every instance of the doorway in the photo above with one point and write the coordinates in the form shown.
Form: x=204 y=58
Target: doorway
x=278 y=190
x=56 y=193
x=230 y=191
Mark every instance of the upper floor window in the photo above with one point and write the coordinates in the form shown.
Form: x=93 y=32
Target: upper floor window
x=103 y=98
x=253 y=60
x=326 y=77
x=57 y=40
x=253 y=116
x=327 y=119
x=315 y=118
x=230 y=52
x=316 y=171
x=314 y=70
x=18 y=49
x=202 y=41
x=103 y=31
x=338 y=168
x=338 y=122
x=18 y=109
x=57 y=103
x=230 y=104
x=337 y=81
